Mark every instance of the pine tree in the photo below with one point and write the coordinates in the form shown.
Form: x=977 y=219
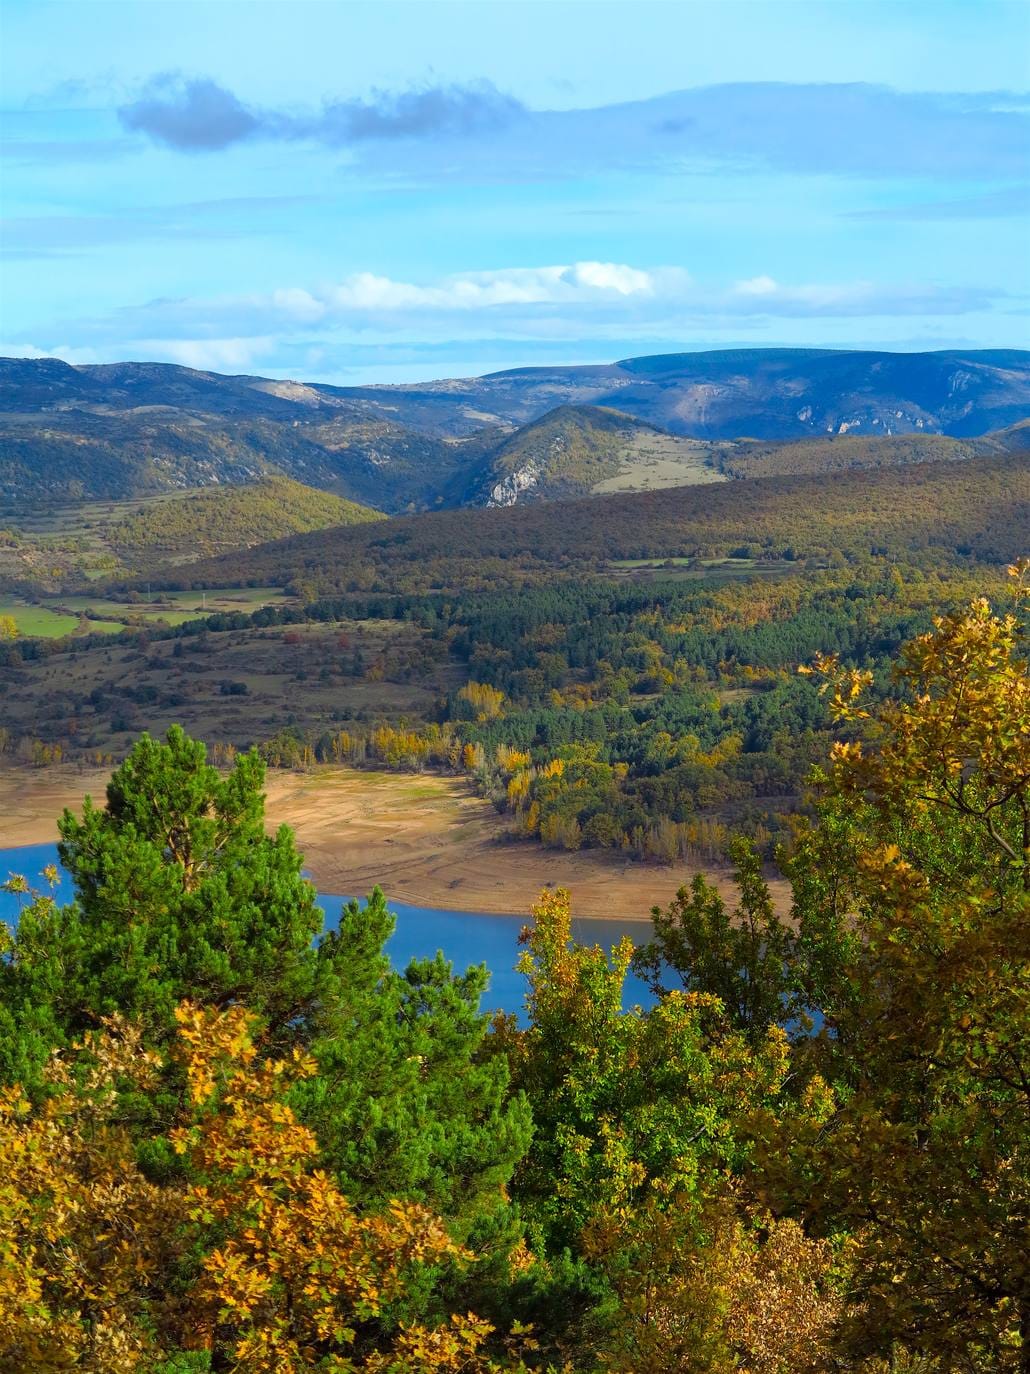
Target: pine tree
x=180 y=895
x=409 y=1099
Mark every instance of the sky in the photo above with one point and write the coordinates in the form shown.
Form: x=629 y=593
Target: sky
x=353 y=193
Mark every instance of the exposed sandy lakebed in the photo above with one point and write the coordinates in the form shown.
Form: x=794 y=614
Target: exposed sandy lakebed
x=426 y=840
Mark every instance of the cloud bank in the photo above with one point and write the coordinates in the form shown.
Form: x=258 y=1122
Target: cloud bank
x=478 y=132
x=198 y=115
x=529 y=308
x=512 y=298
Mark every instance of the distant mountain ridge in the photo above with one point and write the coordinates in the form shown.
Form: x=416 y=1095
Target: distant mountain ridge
x=775 y=393
x=121 y=430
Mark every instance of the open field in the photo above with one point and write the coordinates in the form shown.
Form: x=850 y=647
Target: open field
x=697 y=569
x=424 y=839
x=52 y=617
x=175 y=608
x=38 y=622
x=651 y=461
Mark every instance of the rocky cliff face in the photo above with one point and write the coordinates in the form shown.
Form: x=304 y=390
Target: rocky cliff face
x=508 y=490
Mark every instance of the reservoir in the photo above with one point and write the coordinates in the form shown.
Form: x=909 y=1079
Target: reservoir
x=464 y=937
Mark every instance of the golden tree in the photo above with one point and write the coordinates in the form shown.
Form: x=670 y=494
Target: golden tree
x=86 y=1241
x=250 y=1257
x=912 y=893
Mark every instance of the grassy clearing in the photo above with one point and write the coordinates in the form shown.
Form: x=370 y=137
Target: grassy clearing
x=191 y=603
x=649 y=562
x=38 y=622
x=653 y=461
x=54 y=617
x=696 y=569
x=708 y=563
x=216 y=599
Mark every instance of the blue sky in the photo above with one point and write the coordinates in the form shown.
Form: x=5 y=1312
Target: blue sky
x=359 y=192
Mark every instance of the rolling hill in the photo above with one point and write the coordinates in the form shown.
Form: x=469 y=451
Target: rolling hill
x=66 y=546
x=217 y=519
x=980 y=507
x=583 y=450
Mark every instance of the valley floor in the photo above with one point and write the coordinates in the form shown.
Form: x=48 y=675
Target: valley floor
x=426 y=840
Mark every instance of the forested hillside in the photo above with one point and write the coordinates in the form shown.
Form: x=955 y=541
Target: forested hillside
x=68 y=547
x=981 y=506
x=235 y=1140
x=617 y=673
x=217 y=519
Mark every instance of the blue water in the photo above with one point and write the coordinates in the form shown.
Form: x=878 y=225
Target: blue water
x=464 y=937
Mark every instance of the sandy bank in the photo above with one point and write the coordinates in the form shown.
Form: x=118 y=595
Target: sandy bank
x=425 y=840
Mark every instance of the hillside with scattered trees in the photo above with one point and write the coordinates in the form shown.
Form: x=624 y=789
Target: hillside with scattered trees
x=217 y=519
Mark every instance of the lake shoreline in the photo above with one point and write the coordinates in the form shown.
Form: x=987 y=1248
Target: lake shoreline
x=426 y=839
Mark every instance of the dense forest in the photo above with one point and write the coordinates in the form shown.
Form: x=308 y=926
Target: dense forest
x=235 y=1142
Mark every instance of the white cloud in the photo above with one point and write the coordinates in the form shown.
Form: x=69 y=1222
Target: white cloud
x=756 y=286
x=611 y=276
x=209 y=355
x=563 y=283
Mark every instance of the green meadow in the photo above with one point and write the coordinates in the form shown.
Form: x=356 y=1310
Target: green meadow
x=58 y=616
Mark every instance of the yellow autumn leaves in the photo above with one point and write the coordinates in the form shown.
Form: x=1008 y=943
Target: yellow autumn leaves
x=99 y=1262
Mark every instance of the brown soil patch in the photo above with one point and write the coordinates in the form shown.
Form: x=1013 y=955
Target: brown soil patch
x=426 y=840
